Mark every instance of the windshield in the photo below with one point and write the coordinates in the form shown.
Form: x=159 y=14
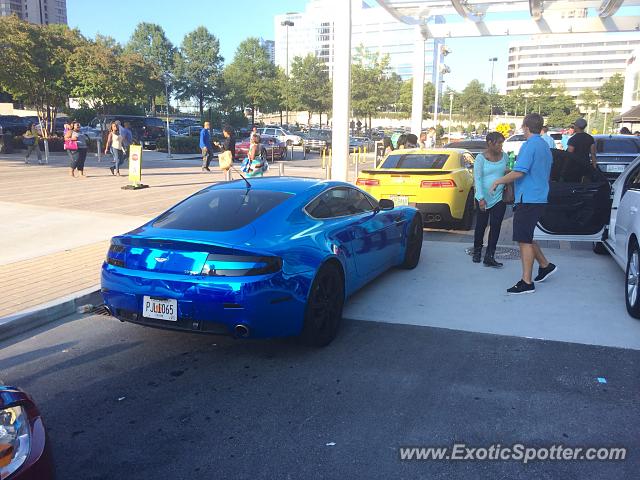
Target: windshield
x=415 y=160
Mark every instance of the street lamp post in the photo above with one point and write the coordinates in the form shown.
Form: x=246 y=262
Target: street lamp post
x=450 y=109
x=166 y=92
x=287 y=23
x=493 y=61
x=440 y=69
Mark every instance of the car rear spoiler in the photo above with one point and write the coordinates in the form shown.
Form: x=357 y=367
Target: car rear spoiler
x=407 y=172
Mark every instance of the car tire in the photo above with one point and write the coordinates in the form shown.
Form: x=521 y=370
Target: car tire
x=599 y=248
x=323 y=313
x=631 y=283
x=467 y=216
x=414 y=243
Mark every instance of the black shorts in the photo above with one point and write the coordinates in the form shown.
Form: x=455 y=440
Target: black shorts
x=525 y=219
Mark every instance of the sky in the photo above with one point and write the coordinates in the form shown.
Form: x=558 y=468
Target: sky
x=233 y=21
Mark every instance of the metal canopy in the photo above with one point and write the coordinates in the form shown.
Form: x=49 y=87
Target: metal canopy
x=475 y=18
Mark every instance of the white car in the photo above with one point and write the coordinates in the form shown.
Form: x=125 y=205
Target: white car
x=282 y=135
x=607 y=215
x=513 y=143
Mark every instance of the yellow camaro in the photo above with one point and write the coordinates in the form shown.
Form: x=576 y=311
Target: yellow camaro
x=438 y=182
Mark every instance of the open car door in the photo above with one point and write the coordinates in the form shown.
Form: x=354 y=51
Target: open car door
x=579 y=204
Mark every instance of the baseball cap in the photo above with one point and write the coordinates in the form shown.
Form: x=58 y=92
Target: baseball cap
x=580 y=123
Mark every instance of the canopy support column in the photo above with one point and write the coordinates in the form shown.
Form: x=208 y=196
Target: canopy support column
x=418 y=82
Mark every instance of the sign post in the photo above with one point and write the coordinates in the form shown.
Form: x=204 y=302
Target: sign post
x=135 y=168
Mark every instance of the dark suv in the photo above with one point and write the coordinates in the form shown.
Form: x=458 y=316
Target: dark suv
x=145 y=130
x=615 y=152
x=13 y=125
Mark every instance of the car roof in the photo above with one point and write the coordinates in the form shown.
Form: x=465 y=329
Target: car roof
x=294 y=185
x=435 y=151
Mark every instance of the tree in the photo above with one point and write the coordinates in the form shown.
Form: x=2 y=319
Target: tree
x=198 y=68
x=540 y=95
x=151 y=43
x=309 y=85
x=611 y=91
x=589 y=99
x=33 y=67
x=474 y=101
x=405 y=103
x=103 y=77
x=250 y=77
x=370 y=81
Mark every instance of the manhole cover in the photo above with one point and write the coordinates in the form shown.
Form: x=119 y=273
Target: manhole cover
x=502 y=253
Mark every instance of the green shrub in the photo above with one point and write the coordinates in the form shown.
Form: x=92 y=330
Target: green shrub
x=180 y=144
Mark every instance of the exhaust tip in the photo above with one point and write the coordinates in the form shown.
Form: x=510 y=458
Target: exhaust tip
x=241 y=331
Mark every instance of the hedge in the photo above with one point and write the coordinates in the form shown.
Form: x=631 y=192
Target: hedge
x=180 y=144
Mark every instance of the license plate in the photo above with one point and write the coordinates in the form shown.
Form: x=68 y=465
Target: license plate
x=160 y=309
x=400 y=200
x=616 y=168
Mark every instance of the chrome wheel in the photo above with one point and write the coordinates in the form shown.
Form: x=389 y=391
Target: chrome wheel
x=632 y=278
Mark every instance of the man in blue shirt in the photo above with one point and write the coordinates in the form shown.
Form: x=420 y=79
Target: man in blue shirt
x=531 y=176
x=206 y=147
x=547 y=138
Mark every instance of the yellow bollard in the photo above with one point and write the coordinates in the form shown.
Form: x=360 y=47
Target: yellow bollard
x=324 y=163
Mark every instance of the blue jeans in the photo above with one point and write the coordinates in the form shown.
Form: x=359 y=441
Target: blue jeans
x=118 y=158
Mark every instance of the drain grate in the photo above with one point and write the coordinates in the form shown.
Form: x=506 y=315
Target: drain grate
x=502 y=253
x=100 y=310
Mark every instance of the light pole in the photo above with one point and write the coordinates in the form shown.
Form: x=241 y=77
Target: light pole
x=287 y=23
x=493 y=61
x=442 y=51
x=166 y=92
x=450 y=109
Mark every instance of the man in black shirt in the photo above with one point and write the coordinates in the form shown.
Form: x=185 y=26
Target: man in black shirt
x=582 y=145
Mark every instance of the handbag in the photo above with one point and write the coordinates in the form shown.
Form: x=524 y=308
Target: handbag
x=70 y=144
x=507 y=193
x=225 y=159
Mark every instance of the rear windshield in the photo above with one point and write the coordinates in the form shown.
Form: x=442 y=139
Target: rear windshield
x=220 y=210
x=415 y=160
x=618 y=145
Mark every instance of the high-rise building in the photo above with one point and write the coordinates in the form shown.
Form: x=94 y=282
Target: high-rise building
x=42 y=12
x=270 y=47
x=577 y=61
x=373 y=28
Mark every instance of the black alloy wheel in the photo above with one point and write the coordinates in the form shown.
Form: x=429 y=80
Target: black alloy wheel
x=467 y=216
x=324 y=307
x=414 y=243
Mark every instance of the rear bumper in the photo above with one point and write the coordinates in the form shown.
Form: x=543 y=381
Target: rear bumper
x=435 y=212
x=268 y=305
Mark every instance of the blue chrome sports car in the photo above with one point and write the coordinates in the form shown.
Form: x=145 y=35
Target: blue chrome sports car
x=273 y=258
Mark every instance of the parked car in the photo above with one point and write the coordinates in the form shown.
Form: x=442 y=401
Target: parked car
x=473 y=146
x=360 y=143
x=513 y=143
x=271 y=148
x=13 y=125
x=438 y=182
x=92 y=133
x=317 y=140
x=145 y=130
x=24 y=448
x=615 y=152
x=283 y=135
x=202 y=266
x=595 y=211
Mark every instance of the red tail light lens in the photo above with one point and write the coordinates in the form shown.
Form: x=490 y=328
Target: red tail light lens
x=438 y=184
x=368 y=182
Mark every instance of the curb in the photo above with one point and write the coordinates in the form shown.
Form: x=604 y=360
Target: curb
x=39 y=315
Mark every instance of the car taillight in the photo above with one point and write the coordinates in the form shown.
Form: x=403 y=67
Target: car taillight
x=368 y=182
x=115 y=255
x=438 y=184
x=240 y=265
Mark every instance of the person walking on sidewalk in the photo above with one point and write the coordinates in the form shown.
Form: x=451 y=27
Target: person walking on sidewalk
x=114 y=144
x=206 y=147
x=127 y=138
x=71 y=146
x=82 y=142
x=531 y=176
x=488 y=167
x=30 y=140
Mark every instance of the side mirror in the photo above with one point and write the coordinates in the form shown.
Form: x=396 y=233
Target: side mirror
x=386 y=204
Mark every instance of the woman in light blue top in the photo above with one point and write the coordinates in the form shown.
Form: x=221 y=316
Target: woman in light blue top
x=488 y=167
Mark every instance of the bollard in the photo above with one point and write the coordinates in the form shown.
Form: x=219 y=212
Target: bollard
x=304 y=151
x=324 y=163
x=291 y=151
x=281 y=169
x=329 y=164
x=46 y=151
x=99 y=149
x=227 y=175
